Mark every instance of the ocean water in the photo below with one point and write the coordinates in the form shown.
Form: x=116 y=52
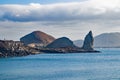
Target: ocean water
x=76 y=66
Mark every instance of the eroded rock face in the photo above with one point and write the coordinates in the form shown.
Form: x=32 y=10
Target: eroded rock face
x=61 y=43
x=9 y=48
x=88 y=42
x=37 y=38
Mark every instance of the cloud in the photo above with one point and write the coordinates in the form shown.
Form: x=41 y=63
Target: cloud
x=72 y=20
x=86 y=10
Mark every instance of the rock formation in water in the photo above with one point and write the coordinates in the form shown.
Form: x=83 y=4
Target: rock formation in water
x=9 y=48
x=61 y=43
x=37 y=38
x=88 y=42
x=65 y=45
x=104 y=40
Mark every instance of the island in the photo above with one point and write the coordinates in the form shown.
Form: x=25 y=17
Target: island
x=39 y=42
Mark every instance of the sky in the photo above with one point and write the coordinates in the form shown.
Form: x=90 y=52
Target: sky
x=36 y=1
x=68 y=18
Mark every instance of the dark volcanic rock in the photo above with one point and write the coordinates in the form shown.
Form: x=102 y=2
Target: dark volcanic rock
x=88 y=42
x=67 y=50
x=37 y=38
x=65 y=45
x=61 y=43
x=104 y=40
x=9 y=48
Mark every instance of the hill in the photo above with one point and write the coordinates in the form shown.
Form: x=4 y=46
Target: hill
x=107 y=40
x=37 y=38
x=61 y=43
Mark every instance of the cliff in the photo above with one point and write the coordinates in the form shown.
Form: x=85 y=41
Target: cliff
x=9 y=48
x=88 y=42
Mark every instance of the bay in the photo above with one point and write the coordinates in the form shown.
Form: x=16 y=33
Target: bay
x=76 y=66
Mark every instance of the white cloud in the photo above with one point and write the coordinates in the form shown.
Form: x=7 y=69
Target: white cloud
x=88 y=10
x=73 y=19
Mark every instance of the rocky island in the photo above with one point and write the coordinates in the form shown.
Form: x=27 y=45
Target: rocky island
x=39 y=42
x=65 y=45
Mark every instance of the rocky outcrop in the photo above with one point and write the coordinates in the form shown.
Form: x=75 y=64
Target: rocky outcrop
x=66 y=50
x=62 y=42
x=37 y=38
x=104 y=40
x=65 y=45
x=9 y=48
x=88 y=42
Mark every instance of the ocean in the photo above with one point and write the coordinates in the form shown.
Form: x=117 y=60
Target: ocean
x=75 y=66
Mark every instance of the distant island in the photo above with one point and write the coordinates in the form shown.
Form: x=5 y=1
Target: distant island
x=104 y=40
x=39 y=42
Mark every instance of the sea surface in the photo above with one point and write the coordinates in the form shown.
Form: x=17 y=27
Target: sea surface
x=76 y=66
